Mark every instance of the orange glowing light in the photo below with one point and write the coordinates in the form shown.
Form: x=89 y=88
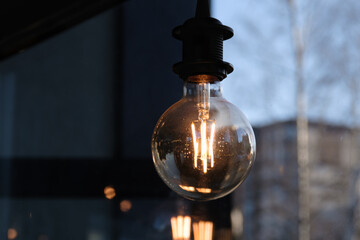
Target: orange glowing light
x=109 y=192
x=125 y=205
x=181 y=227
x=193 y=189
x=12 y=233
x=203 y=190
x=203 y=230
x=195 y=144
x=187 y=188
x=206 y=145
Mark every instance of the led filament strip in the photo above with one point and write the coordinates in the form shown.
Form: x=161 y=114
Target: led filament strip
x=204 y=148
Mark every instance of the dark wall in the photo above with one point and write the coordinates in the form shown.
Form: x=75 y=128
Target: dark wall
x=61 y=101
x=62 y=96
x=149 y=53
x=78 y=110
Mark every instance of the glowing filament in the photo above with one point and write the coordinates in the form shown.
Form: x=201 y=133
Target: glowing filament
x=206 y=145
x=195 y=144
x=181 y=227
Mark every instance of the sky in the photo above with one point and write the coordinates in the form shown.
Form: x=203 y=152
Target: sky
x=263 y=83
x=251 y=87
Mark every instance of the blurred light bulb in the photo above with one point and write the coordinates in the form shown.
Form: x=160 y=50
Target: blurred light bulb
x=203 y=146
x=181 y=227
x=203 y=230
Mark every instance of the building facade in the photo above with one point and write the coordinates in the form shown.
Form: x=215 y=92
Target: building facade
x=270 y=195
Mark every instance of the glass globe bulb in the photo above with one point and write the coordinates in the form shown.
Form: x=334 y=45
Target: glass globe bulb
x=203 y=146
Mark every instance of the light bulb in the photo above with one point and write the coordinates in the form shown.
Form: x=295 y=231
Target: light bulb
x=203 y=146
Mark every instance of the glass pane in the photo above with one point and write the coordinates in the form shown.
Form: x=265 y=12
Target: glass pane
x=296 y=78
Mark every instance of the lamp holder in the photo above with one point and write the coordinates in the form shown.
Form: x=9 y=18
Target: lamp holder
x=202 y=38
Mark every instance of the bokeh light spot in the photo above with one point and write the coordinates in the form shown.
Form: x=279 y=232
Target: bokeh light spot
x=125 y=205
x=109 y=192
x=12 y=233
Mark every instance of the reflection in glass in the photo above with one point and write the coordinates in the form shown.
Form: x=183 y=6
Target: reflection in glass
x=224 y=234
x=237 y=222
x=192 y=189
x=95 y=235
x=181 y=227
x=203 y=230
x=43 y=237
